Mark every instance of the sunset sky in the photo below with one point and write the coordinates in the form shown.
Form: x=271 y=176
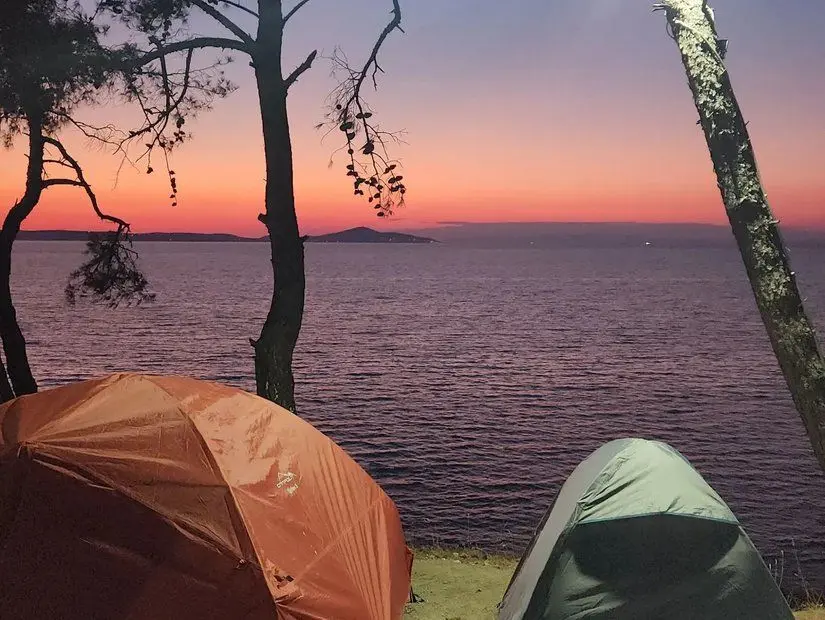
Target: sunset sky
x=530 y=110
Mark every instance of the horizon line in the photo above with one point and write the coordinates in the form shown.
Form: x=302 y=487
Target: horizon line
x=441 y=224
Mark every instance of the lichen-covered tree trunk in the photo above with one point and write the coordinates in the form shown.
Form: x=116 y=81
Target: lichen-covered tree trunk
x=276 y=344
x=17 y=372
x=791 y=334
x=6 y=391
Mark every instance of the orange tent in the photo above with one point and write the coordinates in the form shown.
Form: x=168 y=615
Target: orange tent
x=152 y=498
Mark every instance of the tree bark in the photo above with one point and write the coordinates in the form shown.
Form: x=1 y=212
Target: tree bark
x=6 y=391
x=791 y=334
x=275 y=346
x=18 y=370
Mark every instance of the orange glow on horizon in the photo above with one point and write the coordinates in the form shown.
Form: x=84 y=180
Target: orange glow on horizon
x=225 y=194
x=62 y=210
x=222 y=190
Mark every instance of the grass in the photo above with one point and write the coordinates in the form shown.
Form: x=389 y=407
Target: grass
x=467 y=585
x=458 y=585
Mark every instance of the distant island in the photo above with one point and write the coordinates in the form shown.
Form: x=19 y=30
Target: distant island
x=361 y=234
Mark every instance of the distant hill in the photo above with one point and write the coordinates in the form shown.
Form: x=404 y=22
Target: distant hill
x=353 y=235
x=82 y=235
x=362 y=234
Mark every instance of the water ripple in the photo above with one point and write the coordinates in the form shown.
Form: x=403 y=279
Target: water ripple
x=470 y=382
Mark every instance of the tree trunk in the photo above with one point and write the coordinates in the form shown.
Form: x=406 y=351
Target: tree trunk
x=276 y=344
x=17 y=368
x=6 y=391
x=774 y=286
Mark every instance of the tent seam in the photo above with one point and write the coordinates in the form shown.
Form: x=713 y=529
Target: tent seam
x=214 y=465
x=182 y=523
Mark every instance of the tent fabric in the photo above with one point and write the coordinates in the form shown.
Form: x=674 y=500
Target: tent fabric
x=636 y=532
x=152 y=497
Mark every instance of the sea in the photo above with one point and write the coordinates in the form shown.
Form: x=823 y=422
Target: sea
x=470 y=380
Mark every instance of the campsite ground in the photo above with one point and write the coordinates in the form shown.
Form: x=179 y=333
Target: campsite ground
x=464 y=585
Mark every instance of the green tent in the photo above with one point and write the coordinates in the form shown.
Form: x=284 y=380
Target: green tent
x=636 y=533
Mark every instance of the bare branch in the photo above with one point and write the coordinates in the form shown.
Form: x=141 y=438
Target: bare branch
x=59 y=162
x=240 y=7
x=81 y=182
x=295 y=9
x=104 y=133
x=111 y=274
x=372 y=61
x=53 y=182
x=289 y=81
x=192 y=44
x=167 y=90
x=223 y=20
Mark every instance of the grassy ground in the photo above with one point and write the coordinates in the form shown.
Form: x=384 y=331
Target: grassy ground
x=458 y=585
x=467 y=586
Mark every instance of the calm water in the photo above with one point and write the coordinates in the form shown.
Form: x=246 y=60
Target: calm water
x=470 y=382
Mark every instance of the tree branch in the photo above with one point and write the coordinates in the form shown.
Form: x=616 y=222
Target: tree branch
x=295 y=9
x=372 y=61
x=59 y=162
x=222 y=19
x=80 y=182
x=240 y=7
x=374 y=178
x=290 y=80
x=192 y=44
x=53 y=182
x=158 y=126
x=102 y=134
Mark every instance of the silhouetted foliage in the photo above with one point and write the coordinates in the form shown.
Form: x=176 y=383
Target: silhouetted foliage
x=51 y=62
x=111 y=273
x=373 y=171
x=167 y=95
